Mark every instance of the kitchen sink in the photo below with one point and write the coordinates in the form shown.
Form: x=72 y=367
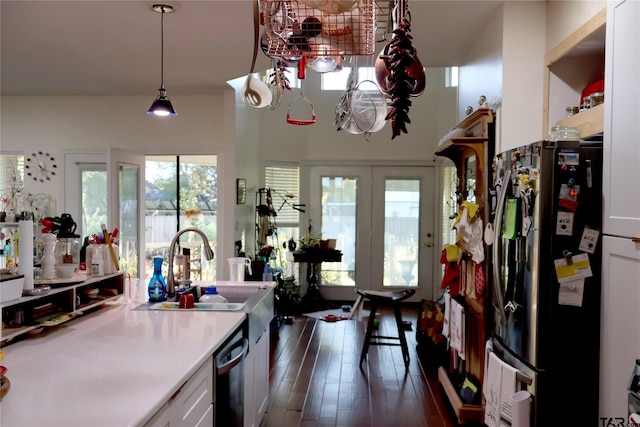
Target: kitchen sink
x=199 y=306
x=256 y=301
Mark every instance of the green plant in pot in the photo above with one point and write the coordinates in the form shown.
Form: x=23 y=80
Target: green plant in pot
x=309 y=241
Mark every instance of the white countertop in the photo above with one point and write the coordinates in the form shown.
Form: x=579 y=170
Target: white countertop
x=115 y=367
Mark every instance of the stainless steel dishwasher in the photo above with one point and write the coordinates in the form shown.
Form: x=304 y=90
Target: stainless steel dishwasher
x=229 y=378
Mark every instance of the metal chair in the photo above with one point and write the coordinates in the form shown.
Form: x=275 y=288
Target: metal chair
x=385 y=299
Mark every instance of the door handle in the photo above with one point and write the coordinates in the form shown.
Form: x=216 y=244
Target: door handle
x=497 y=239
x=226 y=367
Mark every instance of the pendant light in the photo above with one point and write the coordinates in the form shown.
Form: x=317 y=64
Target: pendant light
x=162 y=106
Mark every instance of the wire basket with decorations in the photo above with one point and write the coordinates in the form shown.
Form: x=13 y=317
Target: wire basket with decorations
x=318 y=28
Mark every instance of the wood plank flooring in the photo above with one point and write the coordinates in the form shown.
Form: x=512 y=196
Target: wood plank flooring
x=316 y=379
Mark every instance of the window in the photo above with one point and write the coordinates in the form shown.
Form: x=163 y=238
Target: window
x=337 y=80
x=11 y=177
x=194 y=179
x=449 y=203
x=451 y=77
x=283 y=181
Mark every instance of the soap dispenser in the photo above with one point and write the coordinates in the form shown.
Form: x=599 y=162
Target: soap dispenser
x=157 y=286
x=211 y=295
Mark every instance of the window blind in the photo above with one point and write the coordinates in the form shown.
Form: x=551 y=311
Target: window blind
x=284 y=182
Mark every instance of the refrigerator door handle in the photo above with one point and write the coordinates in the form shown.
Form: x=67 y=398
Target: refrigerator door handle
x=497 y=246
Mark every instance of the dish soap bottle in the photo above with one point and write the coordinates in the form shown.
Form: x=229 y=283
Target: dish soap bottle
x=157 y=286
x=211 y=295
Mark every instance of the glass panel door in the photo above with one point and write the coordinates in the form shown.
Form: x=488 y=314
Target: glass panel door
x=126 y=206
x=382 y=220
x=339 y=209
x=401 y=232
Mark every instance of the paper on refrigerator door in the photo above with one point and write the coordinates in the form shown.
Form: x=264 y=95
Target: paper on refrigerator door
x=573 y=268
x=511 y=218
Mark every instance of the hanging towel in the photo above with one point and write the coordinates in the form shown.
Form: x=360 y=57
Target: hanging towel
x=456 y=328
x=475 y=245
x=447 y=315
x=463 y=227
x=451 y=277
x=491 y=391
x=509 y=385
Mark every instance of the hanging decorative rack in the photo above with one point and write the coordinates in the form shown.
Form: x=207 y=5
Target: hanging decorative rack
x=314 y=28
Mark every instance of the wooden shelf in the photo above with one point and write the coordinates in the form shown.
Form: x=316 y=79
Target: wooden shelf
x=571 y=66
x=65 y=302
x=589 y=122
x=465 y=412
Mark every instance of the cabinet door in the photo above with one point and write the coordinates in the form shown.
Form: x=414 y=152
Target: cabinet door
x=262 y=375
x=161 y=418
x=622 y=108
x=620 y=337
x=194 y=400
x=249 y=389
x=256 y=381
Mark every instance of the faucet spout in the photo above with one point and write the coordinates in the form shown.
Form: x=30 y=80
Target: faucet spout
x=208 y=254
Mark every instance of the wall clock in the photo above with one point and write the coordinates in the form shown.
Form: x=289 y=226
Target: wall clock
x=40 y=166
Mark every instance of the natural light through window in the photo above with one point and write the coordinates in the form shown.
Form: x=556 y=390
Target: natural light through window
x=338 y=80
x=451 y=79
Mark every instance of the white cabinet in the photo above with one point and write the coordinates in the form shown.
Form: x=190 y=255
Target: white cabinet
x=621 y=185
x=161 y=418
x=620 y=336
x=256 y=381
x=63 y=302
x=192 y=405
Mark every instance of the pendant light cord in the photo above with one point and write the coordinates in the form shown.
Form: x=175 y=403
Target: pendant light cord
x=162 y=49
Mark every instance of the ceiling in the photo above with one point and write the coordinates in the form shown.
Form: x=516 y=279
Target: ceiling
x=110 y=47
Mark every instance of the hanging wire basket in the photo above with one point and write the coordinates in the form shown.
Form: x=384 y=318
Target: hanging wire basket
x=319 y=28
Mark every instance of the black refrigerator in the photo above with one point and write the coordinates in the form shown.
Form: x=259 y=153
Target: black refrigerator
x=546 y=254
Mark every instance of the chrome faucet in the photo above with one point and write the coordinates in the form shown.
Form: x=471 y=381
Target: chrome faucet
x=208 y=254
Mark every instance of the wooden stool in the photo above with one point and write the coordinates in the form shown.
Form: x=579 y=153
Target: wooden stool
x=394 y=299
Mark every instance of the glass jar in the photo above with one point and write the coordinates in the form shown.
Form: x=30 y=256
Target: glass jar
x=572 y=111
x=566 y=133
x=67 y=250
x=596 y=98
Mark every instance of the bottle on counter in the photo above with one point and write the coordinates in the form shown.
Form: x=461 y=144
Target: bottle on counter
x=211 y=295
x=267 y=274
x=157 y=286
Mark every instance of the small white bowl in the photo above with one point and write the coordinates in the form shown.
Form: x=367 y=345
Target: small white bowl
x=65 y=271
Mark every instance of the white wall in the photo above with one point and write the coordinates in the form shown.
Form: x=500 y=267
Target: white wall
x=564 y=17
x=52 y=124
x=264 y=135
x=506 y=65
x=242 y=137
x=523 y=50
x=482 y=72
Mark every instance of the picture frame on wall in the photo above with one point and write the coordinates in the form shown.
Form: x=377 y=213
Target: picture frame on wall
x=241 y=191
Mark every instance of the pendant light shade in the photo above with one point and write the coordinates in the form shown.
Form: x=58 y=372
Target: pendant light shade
x=162 y=106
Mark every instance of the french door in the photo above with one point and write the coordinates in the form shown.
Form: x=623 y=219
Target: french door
x=382 y=219
x=108 y=188
x=126 y=195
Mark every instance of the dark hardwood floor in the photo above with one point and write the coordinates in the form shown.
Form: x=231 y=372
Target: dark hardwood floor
x=316 y=379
